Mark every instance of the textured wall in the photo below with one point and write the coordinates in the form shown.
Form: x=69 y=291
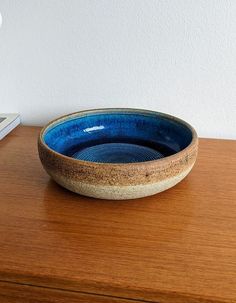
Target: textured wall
x=60 y=56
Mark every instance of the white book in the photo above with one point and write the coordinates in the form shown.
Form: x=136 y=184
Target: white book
x=7 y=123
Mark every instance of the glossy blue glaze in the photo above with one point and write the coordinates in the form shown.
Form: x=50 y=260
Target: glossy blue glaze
x=118 y=137
x=117 y=153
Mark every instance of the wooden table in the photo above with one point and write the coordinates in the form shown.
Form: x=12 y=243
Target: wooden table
x=56 y=246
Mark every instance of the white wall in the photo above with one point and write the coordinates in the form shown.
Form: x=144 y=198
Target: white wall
x=175 y=56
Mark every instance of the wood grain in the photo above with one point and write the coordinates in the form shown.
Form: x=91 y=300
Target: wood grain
x=177 y=246
x=20 y=293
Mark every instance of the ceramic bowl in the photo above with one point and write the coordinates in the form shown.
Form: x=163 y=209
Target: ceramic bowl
x=118 y=153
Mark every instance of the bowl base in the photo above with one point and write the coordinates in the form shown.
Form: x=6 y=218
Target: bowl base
x=113 y=192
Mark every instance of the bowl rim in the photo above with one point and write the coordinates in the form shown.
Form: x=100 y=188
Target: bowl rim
x=176 y=156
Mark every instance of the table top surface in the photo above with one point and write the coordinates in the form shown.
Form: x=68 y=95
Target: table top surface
x=176 y=246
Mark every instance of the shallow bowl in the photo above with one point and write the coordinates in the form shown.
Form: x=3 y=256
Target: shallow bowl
x=118 y=153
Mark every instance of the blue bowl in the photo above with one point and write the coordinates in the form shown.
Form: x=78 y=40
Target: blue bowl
x=117 y=147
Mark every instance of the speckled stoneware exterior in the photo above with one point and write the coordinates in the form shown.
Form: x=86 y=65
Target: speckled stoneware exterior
x=117 y=181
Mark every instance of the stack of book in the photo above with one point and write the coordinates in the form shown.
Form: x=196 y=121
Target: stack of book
x=7 y=123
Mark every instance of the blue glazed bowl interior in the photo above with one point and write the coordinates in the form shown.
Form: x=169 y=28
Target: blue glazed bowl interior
x=118 y=137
